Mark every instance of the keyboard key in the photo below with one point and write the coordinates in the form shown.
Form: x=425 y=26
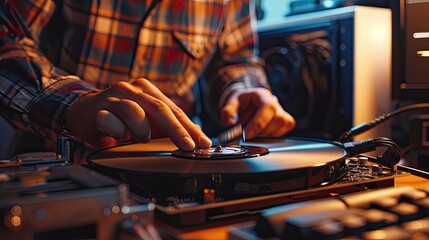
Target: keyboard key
x=376 y=218
x=300 y=226
x=364 y=199
x=390 y=213
x=423 y=206
x=272 y=221
x=353 y=223
x=391 y=232
x=384 y=203
x=406 y=211
x=417 y=226
x=413 y=196
x=327 y=229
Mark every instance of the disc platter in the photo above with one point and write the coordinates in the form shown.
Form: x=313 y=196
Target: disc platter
x=263 y=165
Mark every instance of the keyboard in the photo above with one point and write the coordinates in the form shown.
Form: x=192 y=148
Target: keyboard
x=389 y=213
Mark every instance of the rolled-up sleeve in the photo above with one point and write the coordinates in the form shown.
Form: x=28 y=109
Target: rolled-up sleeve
x=34 y=94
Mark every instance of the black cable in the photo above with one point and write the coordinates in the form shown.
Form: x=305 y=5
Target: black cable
x=389 y=158
x=378 y=120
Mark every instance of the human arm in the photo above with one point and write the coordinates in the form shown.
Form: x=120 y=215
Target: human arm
x=41 y=98
x=34 y=93
x=237 y=80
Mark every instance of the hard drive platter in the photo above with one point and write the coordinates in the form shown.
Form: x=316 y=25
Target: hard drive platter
x=225 y=179
x=261 y=166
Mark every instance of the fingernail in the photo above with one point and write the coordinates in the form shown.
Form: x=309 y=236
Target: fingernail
x=204 y=141
x=187 y=144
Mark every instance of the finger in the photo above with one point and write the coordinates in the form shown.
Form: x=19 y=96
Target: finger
x=165 y=118
x=260 y=120
x=80 y=120
x=109 y=124
x=200 y=138
x=157 y=111
x=192 y=130
x=133 y=116
x=229 y=113
x=280 y=125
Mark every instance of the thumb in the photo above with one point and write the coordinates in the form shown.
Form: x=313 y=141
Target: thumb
x=229 y=112
x=109 y=124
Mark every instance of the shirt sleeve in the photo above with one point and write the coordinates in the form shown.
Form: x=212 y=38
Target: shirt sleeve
x=34 y=94
x=236 y=63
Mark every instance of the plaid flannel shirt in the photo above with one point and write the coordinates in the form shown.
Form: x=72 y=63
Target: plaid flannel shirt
x=52 y=52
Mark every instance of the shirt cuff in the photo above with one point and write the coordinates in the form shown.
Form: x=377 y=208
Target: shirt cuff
x=244 y=82
x=46 y=112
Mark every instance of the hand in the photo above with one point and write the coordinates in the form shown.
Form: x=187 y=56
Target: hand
x=260 y=112
x=132 y=111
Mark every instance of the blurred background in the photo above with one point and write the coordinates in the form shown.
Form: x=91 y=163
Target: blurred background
x=335 y=64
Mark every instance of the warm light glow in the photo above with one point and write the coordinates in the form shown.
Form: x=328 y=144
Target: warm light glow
x=115 y=209
x=379 y=234
x=209 y=195
x=319 y=164
x=16 y=210
x=424 y=53
x=378 y=33
x=421 y=35
x=15 y=221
